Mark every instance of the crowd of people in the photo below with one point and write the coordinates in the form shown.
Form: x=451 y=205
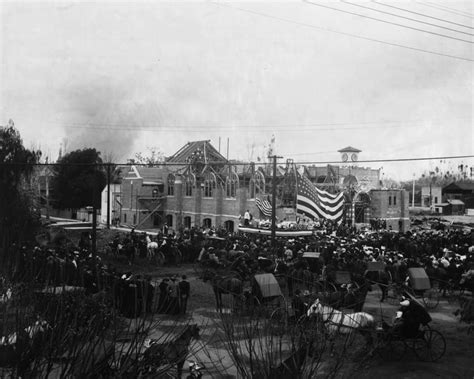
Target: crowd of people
x=445 y=254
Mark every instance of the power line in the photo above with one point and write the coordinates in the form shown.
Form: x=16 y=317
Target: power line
x=280 y=128
x=219 y=127
x=446 y=9
x=406 y=18
x=232 y=163
x=422 y=14
x=388 y=22
x=344 y=33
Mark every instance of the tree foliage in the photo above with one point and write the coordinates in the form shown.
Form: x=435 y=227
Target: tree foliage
x=153 y=157
x=16 y=202
x=78 y=179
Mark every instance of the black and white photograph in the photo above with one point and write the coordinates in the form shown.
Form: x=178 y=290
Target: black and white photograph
x=236 y=189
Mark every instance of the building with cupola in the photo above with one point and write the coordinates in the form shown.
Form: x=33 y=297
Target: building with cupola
x=198 y=186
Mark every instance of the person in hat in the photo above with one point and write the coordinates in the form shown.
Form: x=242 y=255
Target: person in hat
x=173 y=307
x=409 y=318
x=163 y=300
x=184 y=289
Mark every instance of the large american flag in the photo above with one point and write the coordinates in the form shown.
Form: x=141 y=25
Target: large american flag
x=264 y=206
x=316 y=203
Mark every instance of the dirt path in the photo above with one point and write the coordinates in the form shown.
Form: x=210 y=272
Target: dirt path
x=458 y=361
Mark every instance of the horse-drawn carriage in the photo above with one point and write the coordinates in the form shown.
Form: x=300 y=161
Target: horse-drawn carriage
x=427 y=343
x=416 y=286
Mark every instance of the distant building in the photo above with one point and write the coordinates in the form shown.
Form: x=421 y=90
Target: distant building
x=431 y=196
x=197 y=186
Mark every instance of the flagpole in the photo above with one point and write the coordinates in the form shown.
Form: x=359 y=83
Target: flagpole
x=296 y=190
x=273 y=235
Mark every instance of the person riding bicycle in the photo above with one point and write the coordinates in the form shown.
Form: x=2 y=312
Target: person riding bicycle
x=409 y=318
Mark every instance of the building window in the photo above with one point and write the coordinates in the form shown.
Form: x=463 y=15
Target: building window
x=188 y=185
x=207 y=223
x=187 y=222
x=125 y=218
x=395 y=200
x=231 y=185
x=169 y=220
x=390 y=201
x=209 y=185
x=259 y=183
x=229 y=226
x=134 y=219
x=170 y=185
x=436 y=199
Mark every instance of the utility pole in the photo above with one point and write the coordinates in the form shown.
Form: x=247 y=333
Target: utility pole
x=108 y=196
x=274 y=157
x=413 y=193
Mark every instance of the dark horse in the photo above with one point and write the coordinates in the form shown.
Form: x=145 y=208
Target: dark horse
x=223 y=284
x=172 y=352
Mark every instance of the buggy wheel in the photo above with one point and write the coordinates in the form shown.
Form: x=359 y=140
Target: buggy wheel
x=430 y=347
x=392 y=349
x=431 y=298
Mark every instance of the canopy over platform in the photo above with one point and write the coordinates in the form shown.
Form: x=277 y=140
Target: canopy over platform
x=278 y=233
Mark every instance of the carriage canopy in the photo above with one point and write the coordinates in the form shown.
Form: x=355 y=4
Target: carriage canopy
x=266 y=286
x=419 y=280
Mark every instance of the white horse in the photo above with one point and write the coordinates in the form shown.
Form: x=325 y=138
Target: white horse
x=152 y=247
x=343 y=323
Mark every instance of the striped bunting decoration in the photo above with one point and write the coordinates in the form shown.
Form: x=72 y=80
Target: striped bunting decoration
x=316 y=203
x=264 y=206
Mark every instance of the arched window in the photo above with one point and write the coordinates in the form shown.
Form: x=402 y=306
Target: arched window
x=189 y=184
x=258 y=183
x=207 y=223
x=231 y=185
x=169 y=220
x=210 y=182
x=171 y=185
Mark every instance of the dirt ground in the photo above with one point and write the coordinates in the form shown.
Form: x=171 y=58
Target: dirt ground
x=458 y=361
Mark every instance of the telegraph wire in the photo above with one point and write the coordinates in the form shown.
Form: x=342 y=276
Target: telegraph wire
x=448 y=10
x=422 y=14
x=393 y=44
x=388 y=22
x=406 y=18
x=276 y=127
x=239 y=163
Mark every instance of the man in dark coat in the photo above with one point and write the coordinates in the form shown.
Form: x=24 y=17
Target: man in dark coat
x=409 y=318
x=163 y=300
x=184 y=290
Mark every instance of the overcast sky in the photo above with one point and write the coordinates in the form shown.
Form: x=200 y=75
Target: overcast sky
x=125 y=76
